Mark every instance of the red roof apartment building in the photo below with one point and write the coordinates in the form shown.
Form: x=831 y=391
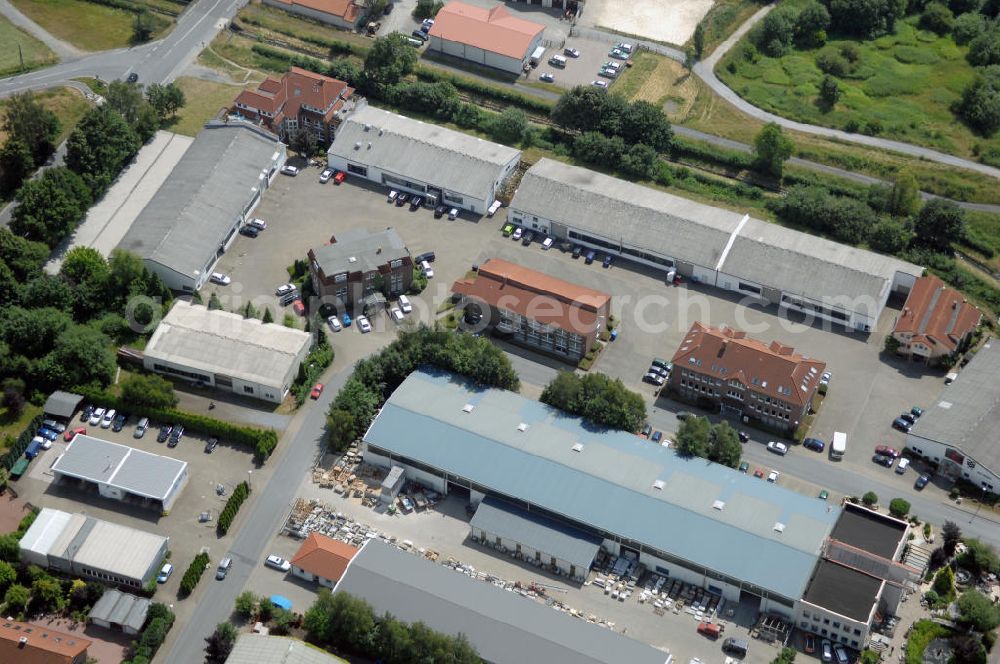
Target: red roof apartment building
x=534 y=309
x=935 y=322
x=341 y=13
x=765 y=384
x=301 y=99
x=24 y=643
x=490 y=37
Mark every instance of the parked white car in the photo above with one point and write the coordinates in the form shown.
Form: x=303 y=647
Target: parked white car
x=334 y=324
x=325 y=176
x=903 y=464
x=258 y=223
x=290 y=170
x=283 y=289
x=427 y=269
x=396 y=315
x=96 y=417
x=404 y=304
x=777 y=448
x=221 y=279
x=773 y=476
x=109 y=417
x=364 y=325
x=278 y=563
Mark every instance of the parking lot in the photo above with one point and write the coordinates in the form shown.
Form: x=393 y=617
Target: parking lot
x=226 y=466
x=578 y=71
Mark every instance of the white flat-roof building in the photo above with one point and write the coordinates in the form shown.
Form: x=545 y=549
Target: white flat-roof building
x=80 y=545
x=193 y=217
x=766 y=262
x=456 y=169
x=227 y=351
x=121 y=472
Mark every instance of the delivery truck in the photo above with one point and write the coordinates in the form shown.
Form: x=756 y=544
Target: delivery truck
x=839 y=447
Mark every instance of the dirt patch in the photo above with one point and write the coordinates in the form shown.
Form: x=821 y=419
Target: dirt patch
x=12 y=510
x=670 y=21
x=672 y=87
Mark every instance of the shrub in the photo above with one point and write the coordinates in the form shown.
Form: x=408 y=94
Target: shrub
x=967 y=27
x=597 y=398
x=228 y=514
x=899 y=507
x=869 y=499
x=937 y=18
x=832 y=63
x=193 y=574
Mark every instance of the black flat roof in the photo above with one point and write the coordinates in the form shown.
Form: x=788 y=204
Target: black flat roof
x=842 y=590
x=868 y=531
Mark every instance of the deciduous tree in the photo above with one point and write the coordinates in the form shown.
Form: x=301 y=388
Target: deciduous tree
x=50 y=206
x=27 y=120
x=771 y=149
x=940 y=223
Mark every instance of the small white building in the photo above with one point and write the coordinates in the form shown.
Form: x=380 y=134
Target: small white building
x=489 y=37
x=452 y=168
x=121 y=472
x=322 y=560
x=225 y=350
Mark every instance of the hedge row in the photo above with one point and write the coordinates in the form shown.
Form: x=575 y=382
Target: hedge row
x=336 y=46
x=232 y=507
x=531 y=104
x=193 y=574
x=21 y=444
x=159 y=620
x=261 y=441
x=706 y=152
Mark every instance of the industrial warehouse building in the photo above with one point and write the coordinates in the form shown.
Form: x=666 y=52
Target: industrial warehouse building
x=195 y=214
x=769 y=263
x=446 y=166
x=503 y=627
x=958 y=433
x=122 y=473
x=225 y=350
x=488 y=37
x=634 y=497
x=80 y=545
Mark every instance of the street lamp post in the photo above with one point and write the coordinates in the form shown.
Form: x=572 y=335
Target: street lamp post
x=249 y=473
x=982 y=499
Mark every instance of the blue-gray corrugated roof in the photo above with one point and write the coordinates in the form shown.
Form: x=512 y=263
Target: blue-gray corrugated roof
x=503 y=627
x=702 y=512
x=549 y=537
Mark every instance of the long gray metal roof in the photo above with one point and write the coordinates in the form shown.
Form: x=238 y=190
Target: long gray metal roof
x=268 y=649
x=190 y=216
x=121 y=608
x=503 y=627
x=128 y=468
x=549 y=537
x=714 y=238
x=611 y=481
x=427 y=152
x=967 y=414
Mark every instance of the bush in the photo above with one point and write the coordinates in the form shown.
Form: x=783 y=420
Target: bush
x=937 y=18
x=869 y=499
x=261 y=441
x=193 y=574
x=978 y=612
x=149 y=391
x=598 y=398
x=967 y=27
x=228 y=514
x=899 y=507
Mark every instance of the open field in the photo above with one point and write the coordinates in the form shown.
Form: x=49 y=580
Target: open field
x=667 y=22
x=902 y=87
x=68 y=105
x=15 y=44
x=87 y=25
x=204 y=100
x=661 y=81
x=723 y=18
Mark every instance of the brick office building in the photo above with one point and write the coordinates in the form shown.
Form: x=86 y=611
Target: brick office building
x=356 y=264
x=767 y=384
x=536 y=310
x=936 y=321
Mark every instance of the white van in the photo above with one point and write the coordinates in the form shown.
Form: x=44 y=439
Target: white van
x=557 y=61
x=404 y=304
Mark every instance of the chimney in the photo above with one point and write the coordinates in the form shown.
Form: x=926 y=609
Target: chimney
x=378 y=251
x=22 y=642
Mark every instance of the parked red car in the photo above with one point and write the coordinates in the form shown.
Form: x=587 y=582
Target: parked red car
x=886 y=450
x=339 y=176
x=71 y=433
x=316 y=391
x=299 y=308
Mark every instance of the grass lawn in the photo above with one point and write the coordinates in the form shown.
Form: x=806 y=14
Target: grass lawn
x=923 y=632
x=204 y=100
x=35 y=53
x=723 y=18
x=86 y=25
x=902 y=88
x=13 y=426
x=68 y=105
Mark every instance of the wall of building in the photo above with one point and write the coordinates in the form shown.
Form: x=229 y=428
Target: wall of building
x=312 y=578
x=175 y=490
x=433 y=481
x=954 y=463
x=528 y=553
x=829 y=625
x=272 y=392
x=322 y=17
x=479 y=56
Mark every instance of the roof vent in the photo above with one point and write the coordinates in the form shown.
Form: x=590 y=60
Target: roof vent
x=467 y=408
x=522 y=427
x=357 y=146
x=578 y=447
x=380 y=132
x=352 y=259
x=369 y=145
x=718 y=505
x=779 y=527
x=659 y=484
x=22 y=642
x=945 y=404
x=368 y=127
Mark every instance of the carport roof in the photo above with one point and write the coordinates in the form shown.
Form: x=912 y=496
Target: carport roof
x=120 y=608
x=429 y=153
x=138 y=472
x=226 y=343
x=504 y=627
x=610 y=481
x=550 y=537
x=190 y=216
x=62 y=404
x=967 y=414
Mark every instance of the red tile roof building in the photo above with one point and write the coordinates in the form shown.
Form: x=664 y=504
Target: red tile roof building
x=535 y=309
x=935 y=322
x=341 y=13
x=24 y=643
x=300 y=99
x=491 y=37
x=723 y=368
x=322 y=559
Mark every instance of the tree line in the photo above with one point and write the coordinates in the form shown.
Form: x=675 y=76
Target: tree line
x=697 y=437
x=598 y=398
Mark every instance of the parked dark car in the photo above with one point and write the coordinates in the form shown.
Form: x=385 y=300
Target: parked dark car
x=527 y=238
x=909 y=417
x=921 y=482
x=165 y=431
x=249 y=231
x=901 y=424
x=422 y=36
x=814 y=444
x=657 y=436
x=589 y=257
x=211 y=445
x=176 y=435
x=440 y=211
x=744 y=436
x=119 y=422
x=577 y=250
x=883 y=460
x=133 y=77
x=426 y=256
x=416 y=202
x=608 y=260
x=401 y=199
x=87 y=411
